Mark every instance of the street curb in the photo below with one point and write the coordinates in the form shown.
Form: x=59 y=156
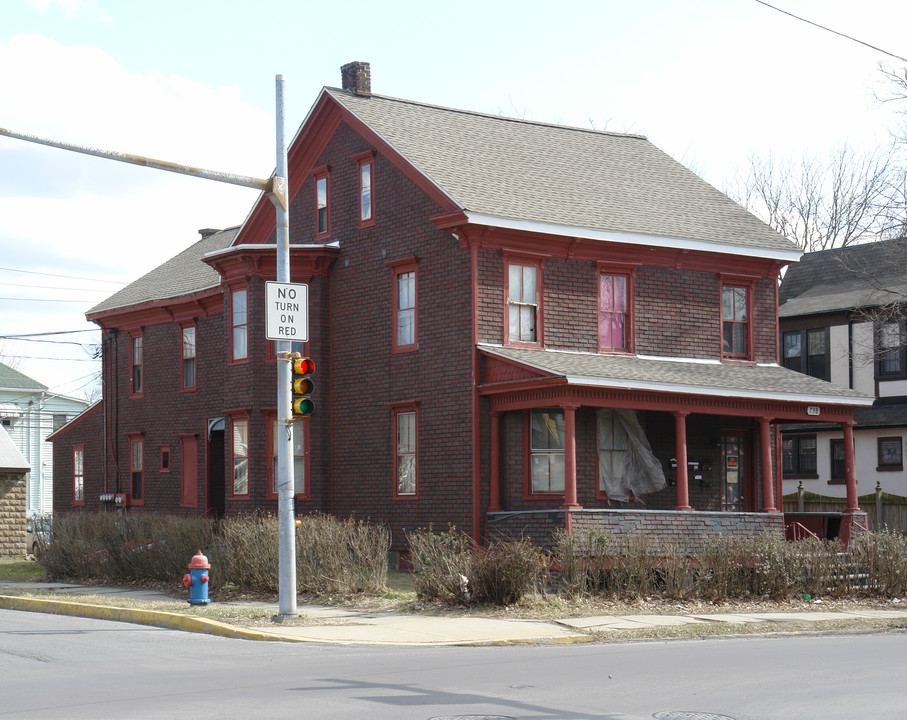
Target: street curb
x=172 y=621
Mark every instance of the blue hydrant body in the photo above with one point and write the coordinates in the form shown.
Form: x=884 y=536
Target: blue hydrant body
x=197 y=580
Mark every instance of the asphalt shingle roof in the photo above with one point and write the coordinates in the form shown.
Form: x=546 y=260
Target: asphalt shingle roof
x=859 y=276
x=182 y=274
x=11 y=379
x=769 y=382
x=573 y=177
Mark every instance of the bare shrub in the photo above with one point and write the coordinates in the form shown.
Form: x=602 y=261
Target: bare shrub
x=123 y=547
x=247 y=552
x=583 y=558
x=340 y=556
x=503 y=573
x=441 y=564
x=883 y=556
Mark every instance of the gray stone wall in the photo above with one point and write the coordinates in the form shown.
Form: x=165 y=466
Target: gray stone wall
x=12 y=514
x=685 y=529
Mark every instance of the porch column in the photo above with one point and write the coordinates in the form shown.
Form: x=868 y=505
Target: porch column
x=853 y=505
x=768 y=487
x=683 y=484
x=494 y=475
x=570 y=458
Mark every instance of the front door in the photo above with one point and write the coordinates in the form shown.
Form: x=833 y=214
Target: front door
x=733 y=472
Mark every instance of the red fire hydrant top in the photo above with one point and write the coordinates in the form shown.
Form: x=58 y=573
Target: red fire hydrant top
x=199 y=562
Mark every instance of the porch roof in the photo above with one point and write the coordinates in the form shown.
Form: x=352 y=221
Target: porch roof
x=678 y=376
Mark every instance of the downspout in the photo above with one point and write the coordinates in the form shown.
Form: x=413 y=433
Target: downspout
x=476 y=483
x=850 y=350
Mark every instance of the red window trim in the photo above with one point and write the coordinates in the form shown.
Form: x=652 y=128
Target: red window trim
x=365 y=158
x=183 y=495
x=165 y=449
x=135 y=437
x=302 y=426
x=627 y=270
x=230 y=327
x=239 y=416
x=528 y=495
x=398 y=408
x=536 y=260
x=323 y=172
x=75 y=449
x=132 y=365
x=398 y=267
x=192 y=324
x=747 y=283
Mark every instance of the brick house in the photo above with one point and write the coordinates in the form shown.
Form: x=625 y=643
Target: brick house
x=517 y=327
x=838 y=323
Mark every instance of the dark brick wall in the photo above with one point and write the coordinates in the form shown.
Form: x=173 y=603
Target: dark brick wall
x=677 y=312
x=87 y=430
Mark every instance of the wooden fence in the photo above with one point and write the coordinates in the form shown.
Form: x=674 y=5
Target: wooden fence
x=891 y=509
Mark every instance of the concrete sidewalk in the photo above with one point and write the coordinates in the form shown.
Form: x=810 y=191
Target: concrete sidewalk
x=339 y=626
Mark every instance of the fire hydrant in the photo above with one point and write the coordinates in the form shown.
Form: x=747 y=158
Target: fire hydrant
x=197 y=580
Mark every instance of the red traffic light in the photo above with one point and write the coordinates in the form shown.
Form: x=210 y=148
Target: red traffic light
x=303 y=366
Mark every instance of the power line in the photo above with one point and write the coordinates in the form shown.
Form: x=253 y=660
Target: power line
x=70 y=277
x=15 y=299
x=50 y=287
x=40 y=334
x=827 y=29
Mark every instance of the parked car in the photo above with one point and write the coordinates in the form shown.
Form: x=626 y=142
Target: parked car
x=37 y=533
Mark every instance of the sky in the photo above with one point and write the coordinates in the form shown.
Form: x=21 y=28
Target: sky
x=711 y=82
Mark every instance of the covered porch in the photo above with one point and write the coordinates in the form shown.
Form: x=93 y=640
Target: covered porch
x=678 y=449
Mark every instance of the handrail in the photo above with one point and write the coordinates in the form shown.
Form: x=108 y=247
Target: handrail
x=805 y=529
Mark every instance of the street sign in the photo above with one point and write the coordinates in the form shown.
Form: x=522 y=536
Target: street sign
x=287 y=311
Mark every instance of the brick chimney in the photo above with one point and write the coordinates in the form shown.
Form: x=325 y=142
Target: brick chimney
x=357 y=78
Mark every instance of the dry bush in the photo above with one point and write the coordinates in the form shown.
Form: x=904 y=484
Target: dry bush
x=883 y=556
x=441 y=564
x=123 y=547
x=506 y=571
x=340 y=556
x=246 y=552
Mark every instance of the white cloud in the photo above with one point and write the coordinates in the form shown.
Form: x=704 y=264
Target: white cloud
x=68 y=213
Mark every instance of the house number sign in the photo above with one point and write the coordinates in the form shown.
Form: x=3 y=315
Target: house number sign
x=287 y=311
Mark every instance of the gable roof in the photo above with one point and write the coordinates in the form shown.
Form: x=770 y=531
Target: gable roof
x=683 y=377
x=182 y=274
x=578 y=182
x=858 y=276
x=10 y=457
x=11 y=379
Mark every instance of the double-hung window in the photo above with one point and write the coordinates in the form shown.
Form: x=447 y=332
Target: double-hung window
x=240 y=323
x=546 y=451
x=798 y=453
x=806 y=351
x=736 y=338
x=366 y=164
x=138 y=364
x=891 y=340
x=136 y=468
x=614 y=312
x=891 y=453
x=405 y=453
x=523 y=321
x=188 y=357
x=322 y=200
x=404 y=303
x=78 y=475
x=240 y=456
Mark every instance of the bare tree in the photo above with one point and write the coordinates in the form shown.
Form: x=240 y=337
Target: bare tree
x=824 y=204
x=8 y=358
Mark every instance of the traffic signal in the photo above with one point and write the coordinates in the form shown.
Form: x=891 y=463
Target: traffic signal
x=303 y=386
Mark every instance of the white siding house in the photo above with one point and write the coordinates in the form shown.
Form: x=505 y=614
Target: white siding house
x=29 y=412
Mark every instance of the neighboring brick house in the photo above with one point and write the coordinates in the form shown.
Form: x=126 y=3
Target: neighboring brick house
x=835 y=326
x=517 y=327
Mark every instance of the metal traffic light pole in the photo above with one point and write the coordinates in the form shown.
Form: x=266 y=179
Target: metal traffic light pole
x=276 y=188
